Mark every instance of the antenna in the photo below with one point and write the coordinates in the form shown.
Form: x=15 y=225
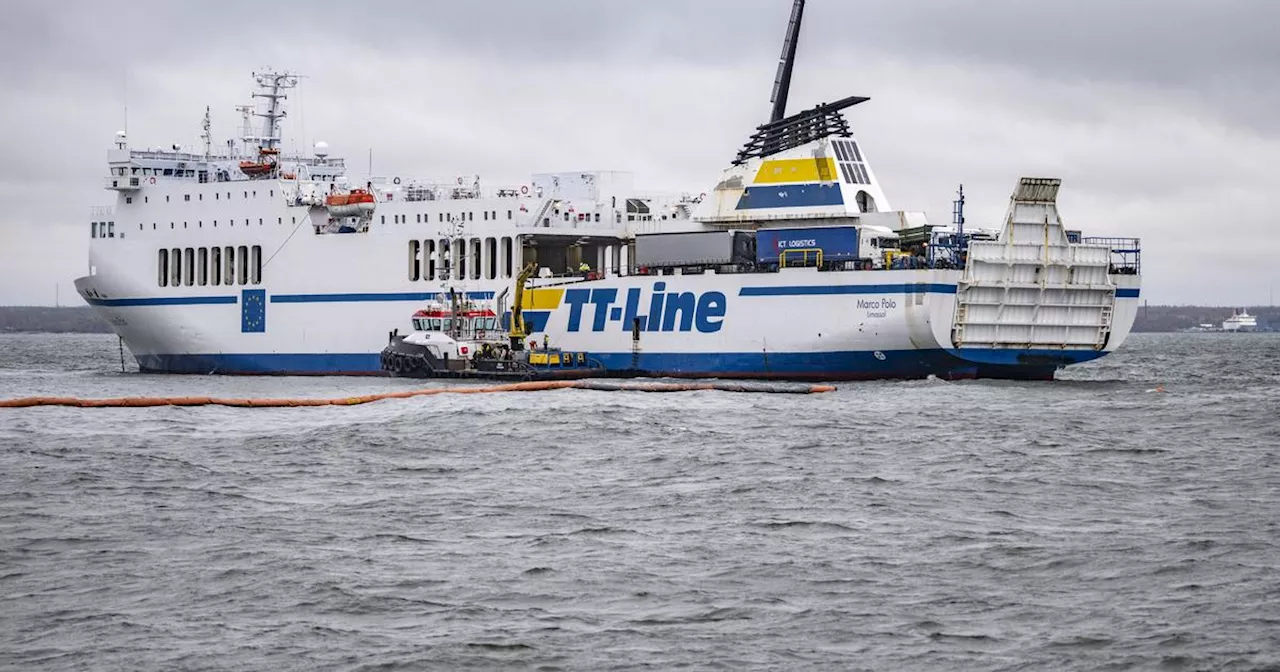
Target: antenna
x=272 y=85
x=782 y=83
x=208 y=139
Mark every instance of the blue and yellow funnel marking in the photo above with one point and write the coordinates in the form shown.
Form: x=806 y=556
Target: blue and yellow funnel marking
x=790 y=196
x=787 y=171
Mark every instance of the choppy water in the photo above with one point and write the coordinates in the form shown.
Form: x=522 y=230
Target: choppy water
x=1090 y=523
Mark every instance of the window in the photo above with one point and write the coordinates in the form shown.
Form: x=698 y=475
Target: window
x=162 y=263
x=128 y=199
x=200 y=197
x=175 y=267
x=215 y=266
x=255 y=265
x=509 y=214
x=429 y=255
x=243 y=254
x=491 y=258
x=486 y=215
x=189 y=265
x=111 y=229
x=259 y=221
x=506 y=257
x=203 y=277
x=229 y=269
x=271 y=193
x=184 y=225
x=166 y=198
x=415 y=260
x=215 y=196
x=384 y=219
x=93 y=229
x=186 y=197
x=279 y=220
x=474 y=262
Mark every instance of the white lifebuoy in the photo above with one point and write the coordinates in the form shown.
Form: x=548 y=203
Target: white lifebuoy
x=524 y=189
x=395 y=181
x=460 y=180
x=153 y=180
x=702 y=196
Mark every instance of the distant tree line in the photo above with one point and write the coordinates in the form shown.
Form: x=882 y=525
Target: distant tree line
x=47 y=319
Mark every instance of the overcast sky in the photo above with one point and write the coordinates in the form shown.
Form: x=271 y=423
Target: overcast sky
x=1161 y=116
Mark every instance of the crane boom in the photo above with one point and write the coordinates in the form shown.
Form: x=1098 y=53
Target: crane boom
x=782 y=83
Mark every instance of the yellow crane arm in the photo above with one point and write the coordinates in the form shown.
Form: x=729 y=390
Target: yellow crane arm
x=519 y=330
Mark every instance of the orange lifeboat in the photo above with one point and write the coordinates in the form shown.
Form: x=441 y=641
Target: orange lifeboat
x=256 y=169
x=354 y=203
x=263 y=166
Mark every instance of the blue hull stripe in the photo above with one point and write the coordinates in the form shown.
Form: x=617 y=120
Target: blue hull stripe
x=803 y=290
x=790 y=196
x=163 y=301
x=851 y=365
x=1127 y=293
x=370 y=296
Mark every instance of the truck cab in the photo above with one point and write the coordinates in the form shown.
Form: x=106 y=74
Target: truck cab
x=878 y=244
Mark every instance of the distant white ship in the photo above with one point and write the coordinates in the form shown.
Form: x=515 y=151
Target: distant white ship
x=1241 y=321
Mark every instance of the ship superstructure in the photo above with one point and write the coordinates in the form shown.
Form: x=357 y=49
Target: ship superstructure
x=252 y=261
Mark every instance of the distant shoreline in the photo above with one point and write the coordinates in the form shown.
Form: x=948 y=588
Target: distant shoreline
x=83 y=319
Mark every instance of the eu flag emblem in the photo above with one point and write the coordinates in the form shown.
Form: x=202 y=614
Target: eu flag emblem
x=253 y=311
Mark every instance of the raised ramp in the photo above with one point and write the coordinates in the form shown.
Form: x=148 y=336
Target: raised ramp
x=1032 y=289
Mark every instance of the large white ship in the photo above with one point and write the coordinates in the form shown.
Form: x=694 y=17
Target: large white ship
x=249 y=261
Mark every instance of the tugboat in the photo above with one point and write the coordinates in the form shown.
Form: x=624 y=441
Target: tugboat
x=464 y=339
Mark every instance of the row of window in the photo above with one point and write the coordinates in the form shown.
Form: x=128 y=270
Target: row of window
x=217 y=196
x=103 y=230
x=471 y=258
x=203 y=266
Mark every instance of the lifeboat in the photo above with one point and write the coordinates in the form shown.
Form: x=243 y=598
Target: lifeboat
x=256 y=169
x=265 y=164
x=354 y=203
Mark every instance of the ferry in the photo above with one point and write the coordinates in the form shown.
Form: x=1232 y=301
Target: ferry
x=248 y=260
x=1240 y=321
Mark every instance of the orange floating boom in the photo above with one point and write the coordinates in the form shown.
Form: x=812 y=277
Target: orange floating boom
x=599 y=385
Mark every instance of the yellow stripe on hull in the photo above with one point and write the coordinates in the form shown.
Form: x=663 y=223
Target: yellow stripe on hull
x=779 y=171
x=542 y=299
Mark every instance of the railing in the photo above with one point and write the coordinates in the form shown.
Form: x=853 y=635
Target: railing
x=1126 y=253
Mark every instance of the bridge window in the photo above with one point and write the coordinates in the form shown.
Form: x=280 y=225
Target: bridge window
x=162 y=263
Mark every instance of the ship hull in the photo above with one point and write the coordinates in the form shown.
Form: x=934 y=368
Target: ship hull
x=799 y=324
